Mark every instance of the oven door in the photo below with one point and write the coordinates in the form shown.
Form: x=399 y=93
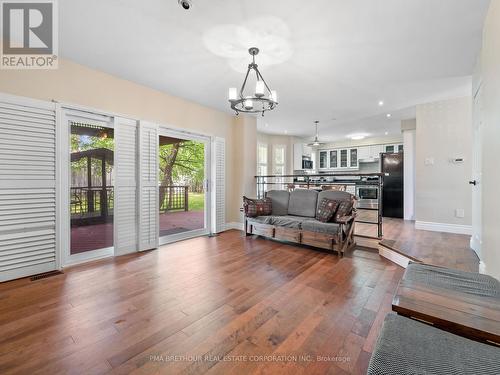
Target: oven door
x=367 y=193
x=368 y=197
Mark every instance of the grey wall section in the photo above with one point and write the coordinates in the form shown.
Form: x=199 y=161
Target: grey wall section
x=490 y=72
x=444 y=132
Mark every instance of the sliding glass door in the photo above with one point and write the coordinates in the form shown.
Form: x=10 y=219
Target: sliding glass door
x=184 y=162
x=91 y=189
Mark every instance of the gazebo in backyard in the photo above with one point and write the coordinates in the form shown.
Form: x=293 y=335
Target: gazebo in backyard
x=92 y=204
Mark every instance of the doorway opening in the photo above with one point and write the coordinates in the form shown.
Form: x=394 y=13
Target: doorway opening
x=91 y=187
x=183 y=203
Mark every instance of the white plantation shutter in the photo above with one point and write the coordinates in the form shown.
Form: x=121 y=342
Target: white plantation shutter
x=27 y=187
x=219 y=190
x=125 y=191
x=148 y=186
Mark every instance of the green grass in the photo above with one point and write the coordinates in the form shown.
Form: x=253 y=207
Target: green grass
x=196 y=201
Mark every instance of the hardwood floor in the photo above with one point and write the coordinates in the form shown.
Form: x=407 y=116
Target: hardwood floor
x=201 y=299
x=440 y=249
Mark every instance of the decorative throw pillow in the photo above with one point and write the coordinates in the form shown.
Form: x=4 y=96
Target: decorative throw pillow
x=326 y=210
x=345 y=209
x=257 y=207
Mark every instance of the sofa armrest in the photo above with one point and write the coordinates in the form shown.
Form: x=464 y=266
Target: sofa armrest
x=346 y=219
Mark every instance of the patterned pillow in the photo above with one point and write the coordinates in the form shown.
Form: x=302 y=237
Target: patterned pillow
x=257 y=207
x=345 y=209
x=326 y=210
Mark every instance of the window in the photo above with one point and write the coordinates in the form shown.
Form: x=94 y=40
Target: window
x=262 y=159
x=279 y=164
x=279 y=159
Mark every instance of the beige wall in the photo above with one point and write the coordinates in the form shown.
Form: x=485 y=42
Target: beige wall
x=244 y=162
x=443 y=132
x=77 y=84
x=490 y=73
x=272 y=140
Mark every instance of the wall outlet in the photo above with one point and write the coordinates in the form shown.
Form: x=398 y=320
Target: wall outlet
x=460 y=212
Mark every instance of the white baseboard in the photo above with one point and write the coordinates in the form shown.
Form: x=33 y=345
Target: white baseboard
x=442 y=227
x=235 y=225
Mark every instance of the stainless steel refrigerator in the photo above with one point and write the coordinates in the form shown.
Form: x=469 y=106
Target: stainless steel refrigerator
x=392 y=196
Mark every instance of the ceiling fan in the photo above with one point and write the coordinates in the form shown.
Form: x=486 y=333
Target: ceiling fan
x=316 y=141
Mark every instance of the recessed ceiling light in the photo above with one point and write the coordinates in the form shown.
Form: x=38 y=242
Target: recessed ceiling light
x=386 y=133
x=388 y=115
x=357 y=137
x=380 y=103
x=286 y=131
x=266 y=125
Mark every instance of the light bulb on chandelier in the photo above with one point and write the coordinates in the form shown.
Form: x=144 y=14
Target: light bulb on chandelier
x=262 y=100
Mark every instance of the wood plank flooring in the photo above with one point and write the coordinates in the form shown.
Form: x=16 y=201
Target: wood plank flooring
x=222 y=305
x=440 y=249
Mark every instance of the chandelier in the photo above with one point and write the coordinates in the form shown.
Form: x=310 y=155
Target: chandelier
x=262 y=100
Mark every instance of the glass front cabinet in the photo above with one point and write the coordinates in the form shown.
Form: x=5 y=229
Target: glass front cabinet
x=345 y=158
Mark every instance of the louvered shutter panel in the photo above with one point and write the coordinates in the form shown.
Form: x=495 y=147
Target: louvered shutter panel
x=219 y=190
x=148 y=186
x=125 y=202
x=27 y=187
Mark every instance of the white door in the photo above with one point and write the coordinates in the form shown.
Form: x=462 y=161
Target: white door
x=185 y=200
x=476 y=238
x=28 y=187
x=148 y=205
x=125 y=203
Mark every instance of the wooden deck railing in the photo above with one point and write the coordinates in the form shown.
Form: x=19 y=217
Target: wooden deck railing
x=174 y=198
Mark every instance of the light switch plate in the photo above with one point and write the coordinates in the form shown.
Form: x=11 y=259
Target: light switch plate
x=460 y=212
x=429 y=161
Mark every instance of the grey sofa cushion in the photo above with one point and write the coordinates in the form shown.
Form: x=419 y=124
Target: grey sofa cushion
x=287 y=221
x=334 y=195
x=303 y=203
x=406 y=346
x=313 y=225
x=456 y=280
x=279 y=200
x=260 y=220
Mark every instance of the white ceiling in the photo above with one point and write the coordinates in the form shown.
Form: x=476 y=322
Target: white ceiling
x=327 y=58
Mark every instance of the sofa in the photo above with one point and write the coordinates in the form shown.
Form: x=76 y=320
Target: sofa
x=293 y=219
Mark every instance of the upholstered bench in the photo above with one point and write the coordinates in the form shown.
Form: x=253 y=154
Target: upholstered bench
x=463 y=303
x=406 y=346
x=454 y=280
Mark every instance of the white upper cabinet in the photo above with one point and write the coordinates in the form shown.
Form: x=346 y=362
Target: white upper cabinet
x=344 y=158
x=364 y=152
x=300 y=150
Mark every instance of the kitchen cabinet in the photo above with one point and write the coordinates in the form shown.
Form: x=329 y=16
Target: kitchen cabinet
x=323 y=160
x=393 y=148
x=369 y=154
x=300 y=150
x=353 y=158
x=375 y=151
x=345 y=158
x=334 y=159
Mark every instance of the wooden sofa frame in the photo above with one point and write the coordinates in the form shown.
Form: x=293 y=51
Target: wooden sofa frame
x=339 y=243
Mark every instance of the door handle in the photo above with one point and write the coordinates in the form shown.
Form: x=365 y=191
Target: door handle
x=473 y=182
